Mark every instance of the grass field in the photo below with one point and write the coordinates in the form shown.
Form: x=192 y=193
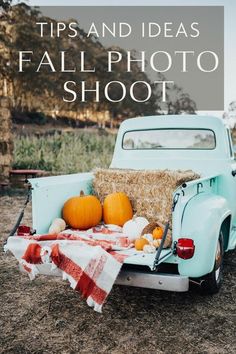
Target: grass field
x=64 y=152
x=46 y=316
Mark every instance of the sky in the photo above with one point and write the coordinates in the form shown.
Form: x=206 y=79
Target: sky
x=230 y=27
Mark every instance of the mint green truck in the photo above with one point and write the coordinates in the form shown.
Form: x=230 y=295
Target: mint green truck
x=204 y=212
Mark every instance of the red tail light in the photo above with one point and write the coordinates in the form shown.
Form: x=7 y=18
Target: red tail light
x=185 y=248
x=23 y=230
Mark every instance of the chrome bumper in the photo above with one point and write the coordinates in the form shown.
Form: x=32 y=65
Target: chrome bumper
x=159 y=281
x=169 y=282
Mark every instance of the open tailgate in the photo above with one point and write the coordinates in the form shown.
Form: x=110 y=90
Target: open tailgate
x=146 y=259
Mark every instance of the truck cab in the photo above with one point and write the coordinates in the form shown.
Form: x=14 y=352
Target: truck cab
x=206 y=207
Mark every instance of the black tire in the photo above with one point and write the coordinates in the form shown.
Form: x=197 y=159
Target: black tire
x=211 y=282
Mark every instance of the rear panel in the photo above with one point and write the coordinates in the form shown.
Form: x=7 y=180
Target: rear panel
x=50 y=193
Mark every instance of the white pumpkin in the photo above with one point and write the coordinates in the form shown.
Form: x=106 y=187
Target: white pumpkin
x=60 y=222
x=133 y=228
x=156 y=243
x=142 y=222
x=149 y=249
x=148 y=237
x=57 y=226
x=54 y=229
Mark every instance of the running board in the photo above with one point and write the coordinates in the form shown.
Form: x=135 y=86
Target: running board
x=159 y=281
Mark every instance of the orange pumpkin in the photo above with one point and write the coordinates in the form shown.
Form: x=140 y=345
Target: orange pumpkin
x=140 y=243
x=117 y=209
x=82 y=212
x=157 y=233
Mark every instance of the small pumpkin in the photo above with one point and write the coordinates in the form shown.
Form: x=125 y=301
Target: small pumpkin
x=167 y=242
x=133 y=228
x=149 y=228
x=156 y=243
x=149 y=249
x=157 y=233
x=82 y=212
x=57 y=226
x=117 y=209
x=140 y=243
x=54 y=229
x=60 y=222
x=148 y=237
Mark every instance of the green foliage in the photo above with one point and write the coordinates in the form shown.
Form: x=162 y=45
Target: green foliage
x=5 y=4
x=30 y=84
x=68 y=152
x=42 y=91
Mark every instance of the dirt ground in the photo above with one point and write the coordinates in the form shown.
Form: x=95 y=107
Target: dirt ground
x=46 y=316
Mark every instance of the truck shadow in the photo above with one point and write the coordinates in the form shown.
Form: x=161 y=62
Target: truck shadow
x=141 y=300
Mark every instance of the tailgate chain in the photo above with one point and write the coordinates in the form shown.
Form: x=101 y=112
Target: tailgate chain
x=17 y=224
x=157 y=257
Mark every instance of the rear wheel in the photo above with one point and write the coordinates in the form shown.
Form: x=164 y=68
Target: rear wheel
x=211 y=282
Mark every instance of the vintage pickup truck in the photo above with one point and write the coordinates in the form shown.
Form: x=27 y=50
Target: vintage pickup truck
x=204 y=210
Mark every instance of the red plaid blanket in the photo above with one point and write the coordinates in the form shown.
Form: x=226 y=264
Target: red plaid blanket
x=88 y=260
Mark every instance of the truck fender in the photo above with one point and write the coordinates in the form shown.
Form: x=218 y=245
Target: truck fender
x=202 y=220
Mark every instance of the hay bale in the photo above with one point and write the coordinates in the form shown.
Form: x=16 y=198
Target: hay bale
x=150 y=192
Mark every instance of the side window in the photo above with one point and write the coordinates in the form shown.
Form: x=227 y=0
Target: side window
x=230 y=144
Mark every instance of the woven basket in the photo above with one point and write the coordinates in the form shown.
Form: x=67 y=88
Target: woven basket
x=149 y=230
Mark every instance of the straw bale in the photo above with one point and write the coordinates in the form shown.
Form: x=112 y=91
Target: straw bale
x=149 y=191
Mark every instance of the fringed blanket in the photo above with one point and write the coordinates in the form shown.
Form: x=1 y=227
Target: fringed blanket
x=90 y=260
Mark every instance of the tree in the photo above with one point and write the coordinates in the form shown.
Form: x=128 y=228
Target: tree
x=230 y=116
x=42 y=91
x=177 y=101
x=4 y=38
x=5 y=4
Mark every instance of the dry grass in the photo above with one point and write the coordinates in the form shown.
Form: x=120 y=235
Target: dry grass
x=46 y=316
